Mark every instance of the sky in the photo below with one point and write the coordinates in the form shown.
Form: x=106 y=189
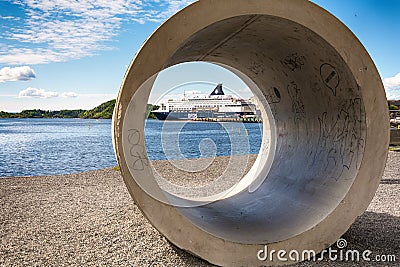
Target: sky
x=65 y=54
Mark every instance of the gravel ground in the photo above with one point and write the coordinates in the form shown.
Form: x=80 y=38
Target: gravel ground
x=89 y=219
x=214 y=175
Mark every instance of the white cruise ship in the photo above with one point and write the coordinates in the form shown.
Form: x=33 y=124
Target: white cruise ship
x=214 y=105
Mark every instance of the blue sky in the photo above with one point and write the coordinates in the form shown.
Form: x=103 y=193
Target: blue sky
x=57 y=54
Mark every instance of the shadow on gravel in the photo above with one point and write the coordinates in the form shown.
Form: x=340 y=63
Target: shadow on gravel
x=390 y=181
x=378 y=232
x=189 y=259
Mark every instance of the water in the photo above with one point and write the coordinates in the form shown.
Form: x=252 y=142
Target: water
x=54 y=146
x=30 y=147
x=200 y=139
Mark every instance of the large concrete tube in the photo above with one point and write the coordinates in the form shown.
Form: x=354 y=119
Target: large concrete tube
x=328 y=124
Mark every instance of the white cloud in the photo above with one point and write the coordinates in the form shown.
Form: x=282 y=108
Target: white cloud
x=19 y=56
x=60 y=30
x=392 y=86
x=24 y=73
x=393 y=94
x=31 y=92
x=10 y=18
x=193 y=92
x=392 y=82
x=69 y=95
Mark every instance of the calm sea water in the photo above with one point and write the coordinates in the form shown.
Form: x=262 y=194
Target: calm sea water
x=30 y=147
x=177 y=140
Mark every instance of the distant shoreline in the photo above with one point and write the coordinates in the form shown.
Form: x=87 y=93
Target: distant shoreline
x=54 y=118
x=103 y=111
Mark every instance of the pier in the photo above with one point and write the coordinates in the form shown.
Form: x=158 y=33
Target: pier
x=244 y=120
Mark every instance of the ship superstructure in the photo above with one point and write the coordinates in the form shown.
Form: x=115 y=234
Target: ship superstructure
x=197 y=106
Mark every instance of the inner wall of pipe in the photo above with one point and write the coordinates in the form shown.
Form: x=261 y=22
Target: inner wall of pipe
x=320 y=126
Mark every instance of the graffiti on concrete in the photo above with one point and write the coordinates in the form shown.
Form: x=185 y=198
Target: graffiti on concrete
x=294 y=62
x=330 y=77
x=341 y=141
x=137 y=151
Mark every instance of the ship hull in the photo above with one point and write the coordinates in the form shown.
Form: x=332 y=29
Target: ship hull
x=182 y=116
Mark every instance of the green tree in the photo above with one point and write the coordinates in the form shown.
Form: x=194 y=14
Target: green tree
x=104 y=111
x=5 y=115
x=393 y=107
x=149 y=110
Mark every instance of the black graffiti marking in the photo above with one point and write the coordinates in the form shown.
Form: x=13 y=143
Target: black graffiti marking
x=277 y=93
x=297 y=101
x=273 y=96
x=257 y=68
x=298 y=108
x=137 y=151
x=294 y=62
x=330 y=77
x=133 y=137
x=340 y=139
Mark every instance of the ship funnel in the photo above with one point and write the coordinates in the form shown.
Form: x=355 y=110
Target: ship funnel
x=326 y=112
x=218 y=90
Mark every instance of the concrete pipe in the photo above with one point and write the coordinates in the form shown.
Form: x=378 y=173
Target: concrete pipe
x=325 y=113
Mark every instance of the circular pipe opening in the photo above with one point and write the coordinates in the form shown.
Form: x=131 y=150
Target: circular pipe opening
x=222 y=177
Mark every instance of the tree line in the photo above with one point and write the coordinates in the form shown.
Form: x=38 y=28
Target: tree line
x=103 y=111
